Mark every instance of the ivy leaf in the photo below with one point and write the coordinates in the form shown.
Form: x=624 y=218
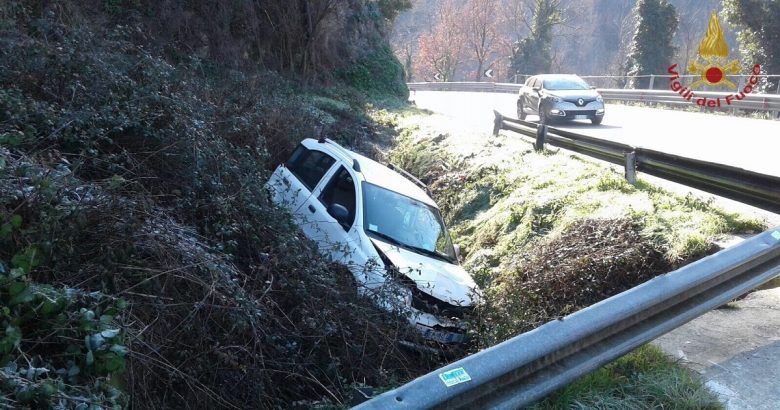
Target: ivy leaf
x=48 y=307
x=16 y=273
x=19 y=292
x=95 y=341
x=122 y=304
x=113 y=362
x=90 y=358
x=16 y=288
x=24 y=297
x=119 y=349
x=13 y=335
x=28 y=260
x=5 y=231
x=109 y=333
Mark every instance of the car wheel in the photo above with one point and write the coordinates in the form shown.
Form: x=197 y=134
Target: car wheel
x=596 y=120
x=520 y=110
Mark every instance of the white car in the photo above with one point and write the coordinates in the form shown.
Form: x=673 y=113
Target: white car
x=384 y=227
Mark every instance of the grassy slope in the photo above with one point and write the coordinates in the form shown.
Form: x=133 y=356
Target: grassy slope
x=527 y=220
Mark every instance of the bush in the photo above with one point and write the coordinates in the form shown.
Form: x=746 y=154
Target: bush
x=124 y=177
x=587 y=263
x=379 y=73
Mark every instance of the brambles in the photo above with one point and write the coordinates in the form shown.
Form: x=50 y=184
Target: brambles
x=133 y=210
x=587 y=263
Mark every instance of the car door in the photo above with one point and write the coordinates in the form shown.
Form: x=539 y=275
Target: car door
x=337 y=239
x=526 y=93
x=293 y=182
x=533 y=96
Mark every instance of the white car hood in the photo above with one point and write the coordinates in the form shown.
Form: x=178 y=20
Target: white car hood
x=442 y=280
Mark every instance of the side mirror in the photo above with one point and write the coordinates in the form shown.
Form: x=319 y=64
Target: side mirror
x=592 y=87
x=457 y=251
x=339 y=213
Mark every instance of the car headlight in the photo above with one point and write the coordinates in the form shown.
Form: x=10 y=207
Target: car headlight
x=599 y=98
x=554 y=98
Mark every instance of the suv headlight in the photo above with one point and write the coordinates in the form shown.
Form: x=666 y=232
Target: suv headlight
x=599 y=98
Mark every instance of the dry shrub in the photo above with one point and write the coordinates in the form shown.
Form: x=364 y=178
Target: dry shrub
x=589 y=262
x=143 y=180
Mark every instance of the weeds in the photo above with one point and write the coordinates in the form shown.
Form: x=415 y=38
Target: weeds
x=546 y=234
x=142 y=263
x=643 y=379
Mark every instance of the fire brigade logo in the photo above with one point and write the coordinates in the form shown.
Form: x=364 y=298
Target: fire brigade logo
x=712 y=64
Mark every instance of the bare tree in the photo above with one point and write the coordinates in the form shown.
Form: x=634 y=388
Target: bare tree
x=480 y=31
x=441 y=50
x=689 y=34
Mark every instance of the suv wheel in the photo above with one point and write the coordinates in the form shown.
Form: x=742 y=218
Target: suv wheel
x=520 y=110
x=596 y=120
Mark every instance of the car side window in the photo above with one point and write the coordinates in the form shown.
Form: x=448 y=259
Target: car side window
x=341 y=190
x=309 y=165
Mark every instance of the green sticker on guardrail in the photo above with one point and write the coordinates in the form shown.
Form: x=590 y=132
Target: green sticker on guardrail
x=454 y=376
x=776 y=235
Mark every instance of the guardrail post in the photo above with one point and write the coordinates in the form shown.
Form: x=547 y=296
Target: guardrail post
x=652 y=81
x=630 y=167
x=777 y=113
x=498 y=122
x=541 y=137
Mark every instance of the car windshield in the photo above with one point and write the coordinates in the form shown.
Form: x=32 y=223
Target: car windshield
x=567 y=83
x=406 y=222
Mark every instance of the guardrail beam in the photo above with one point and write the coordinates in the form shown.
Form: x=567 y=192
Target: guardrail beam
x=752 y=188
x=521 y=370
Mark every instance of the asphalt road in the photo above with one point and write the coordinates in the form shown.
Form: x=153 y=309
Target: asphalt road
x=752 y=144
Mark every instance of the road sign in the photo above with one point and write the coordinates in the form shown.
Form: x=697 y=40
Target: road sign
x=489 y=73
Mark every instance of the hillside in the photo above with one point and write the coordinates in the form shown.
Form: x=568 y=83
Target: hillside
x=591 y=38
x=141 y=263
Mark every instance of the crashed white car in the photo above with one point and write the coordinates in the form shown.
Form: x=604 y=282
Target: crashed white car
x=384 y=227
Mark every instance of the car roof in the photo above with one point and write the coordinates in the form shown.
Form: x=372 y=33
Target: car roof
x=373 y=172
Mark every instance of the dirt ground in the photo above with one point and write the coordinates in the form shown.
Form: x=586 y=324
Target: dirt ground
x=736 y=350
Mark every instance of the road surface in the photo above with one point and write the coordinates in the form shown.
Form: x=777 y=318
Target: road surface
x=752 y=144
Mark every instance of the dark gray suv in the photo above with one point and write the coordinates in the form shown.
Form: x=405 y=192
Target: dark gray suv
x=560 y=97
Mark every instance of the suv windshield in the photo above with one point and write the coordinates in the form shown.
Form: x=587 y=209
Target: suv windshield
x=565 y=84
x=406 y=222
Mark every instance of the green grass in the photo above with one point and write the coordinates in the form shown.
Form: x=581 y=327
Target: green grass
x=643 y=379
x=510 y=200
x=538 y=195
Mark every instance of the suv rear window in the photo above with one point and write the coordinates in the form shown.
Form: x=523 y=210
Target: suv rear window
x=309 y=165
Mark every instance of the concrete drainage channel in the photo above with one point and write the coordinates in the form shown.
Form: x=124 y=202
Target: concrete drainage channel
x=735 y=349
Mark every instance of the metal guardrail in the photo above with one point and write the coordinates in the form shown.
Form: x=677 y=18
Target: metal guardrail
x=752 y=188
x=528 y=367
x=763 y=102
x=618 y=80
